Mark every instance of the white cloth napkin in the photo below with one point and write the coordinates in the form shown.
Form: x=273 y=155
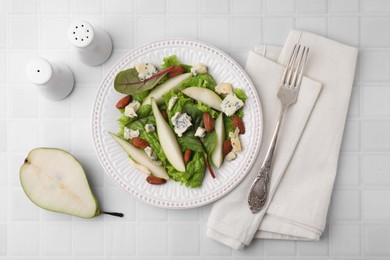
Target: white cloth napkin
x=305 y=161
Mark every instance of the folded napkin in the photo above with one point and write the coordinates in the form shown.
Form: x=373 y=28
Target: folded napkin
x=306 y=155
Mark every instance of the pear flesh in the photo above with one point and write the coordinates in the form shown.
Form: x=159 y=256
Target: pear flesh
x=204 y=95
x=54 y=180
x=168 y=141
x=217 y=155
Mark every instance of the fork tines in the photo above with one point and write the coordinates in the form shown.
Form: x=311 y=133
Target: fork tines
x=294 y=70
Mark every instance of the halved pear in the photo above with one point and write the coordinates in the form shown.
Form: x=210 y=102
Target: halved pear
x=168 y=140
x=141 y=157
x=204 y=95
x=171 y=84
x=53 y=179
x=217 y=155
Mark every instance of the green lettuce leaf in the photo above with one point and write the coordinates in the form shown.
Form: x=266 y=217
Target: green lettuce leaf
x=204 y=80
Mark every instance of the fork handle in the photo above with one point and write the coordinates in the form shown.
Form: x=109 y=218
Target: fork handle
x=258 y=193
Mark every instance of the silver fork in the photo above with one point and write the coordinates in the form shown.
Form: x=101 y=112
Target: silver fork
x=287 y=94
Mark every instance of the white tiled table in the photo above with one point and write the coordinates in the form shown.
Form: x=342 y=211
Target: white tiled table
x=359 y=217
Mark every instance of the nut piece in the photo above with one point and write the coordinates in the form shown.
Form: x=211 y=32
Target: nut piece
x=139 y=142
x=165 y=115
x=227 y=147
x=208 y=122
x=187 y=156
x=237 y=123
x=123 y=102
x=155 y=180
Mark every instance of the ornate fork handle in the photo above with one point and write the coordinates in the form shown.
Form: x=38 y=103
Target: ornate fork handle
x=258 y=192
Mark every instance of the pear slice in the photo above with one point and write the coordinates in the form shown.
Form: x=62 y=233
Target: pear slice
x=54 y=180
x=171 y=84
x=204 y=95
x=168 y=140
x=140 y=157
x=217 y=155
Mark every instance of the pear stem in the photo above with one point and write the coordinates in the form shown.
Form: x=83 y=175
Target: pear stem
x=116 y=214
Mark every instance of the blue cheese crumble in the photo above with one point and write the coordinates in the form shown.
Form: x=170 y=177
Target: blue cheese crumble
x=149 y=128
x=198 y=69
x=145 y=70
x=231 y=104
x=130 y=133
x=200 y=132
x=131 y=109
x=181 y=122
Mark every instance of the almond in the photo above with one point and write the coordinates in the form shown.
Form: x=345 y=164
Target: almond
x=237 y=122
x=155 y=180
x=187 y=156
x=208 y=122
x=177 y=70
x=165 y=115
x=227 y=147
x=123 y=102
x=139 y=142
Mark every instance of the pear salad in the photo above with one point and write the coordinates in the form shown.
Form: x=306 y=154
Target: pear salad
x=177 y=122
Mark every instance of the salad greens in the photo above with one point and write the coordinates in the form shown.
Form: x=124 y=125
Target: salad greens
x=128 y=82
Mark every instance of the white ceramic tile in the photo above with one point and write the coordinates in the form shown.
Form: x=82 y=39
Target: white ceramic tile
x=376 y=240
x=183 y=27
x=3 y=204
x=280 y=6
x=182 y=6
x=247 y=32
x=16 y=67
x=345 y=29
x=55 y=133
x=117 y=200
x=216 y=31
x=83 y=98
x=314 y=248
x=23 y=239
x=375 y=169
x=3 y=102
x=345 y=205
x=376 y=6
x=277 y=29
x=150 y=6
x=3 y=175
x=86 y=7
x=120 y=31
x=15 y=161
x=118 y=7
x=23 y=101
x=92 y=169
x=87 y=238
x=85 y=74
x=375 y=66
x=23 y=135
x=2 y=6
x=56 y=239
x=348 y=172
x=152 y=239
x=213 y=248
x=56 y=109
x=183 y=239
x=240 y=57
x=82 y=136
x=376 y=101
x=215 y=7
x=3 y=136
x=3 y=68
x=345 y=239
x=281 y=248
x=354 y=103
x=255 y=250
x=54 y=33
x=376 y=135
x=345 y=6
x=375 y=31
x=22 y=33
x=351 y=137
x=146 y=212
x=3 y=239
x=312 y=7
x=312 y=24
x=54 y=6
x=250 y=7
x=184 y=215
x=50 y=216
x=120 y=239
x=375 y=205
x=3 y=32
x=20 y=7
x=144 y=24
x=21 y=207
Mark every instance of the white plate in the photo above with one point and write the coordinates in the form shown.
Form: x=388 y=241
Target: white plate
x=173 y=195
